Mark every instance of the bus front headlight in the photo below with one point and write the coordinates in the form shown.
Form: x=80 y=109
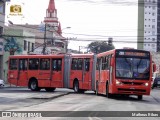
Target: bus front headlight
x=118 y=82
x=146 y=84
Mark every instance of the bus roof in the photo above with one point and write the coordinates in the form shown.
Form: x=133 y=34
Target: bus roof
x=114 y=50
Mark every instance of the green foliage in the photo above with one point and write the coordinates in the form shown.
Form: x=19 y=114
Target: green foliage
x=12 y=45
x=100 y=46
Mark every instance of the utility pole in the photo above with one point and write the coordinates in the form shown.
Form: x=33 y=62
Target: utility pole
x=44 y=46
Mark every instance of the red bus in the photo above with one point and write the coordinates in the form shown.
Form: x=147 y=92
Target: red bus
x=51 y=71
x=124 y=71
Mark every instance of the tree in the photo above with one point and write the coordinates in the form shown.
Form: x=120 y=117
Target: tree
x=12 y=46
x=100 y=46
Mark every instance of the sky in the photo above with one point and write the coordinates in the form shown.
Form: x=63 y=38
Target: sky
x=88 y=19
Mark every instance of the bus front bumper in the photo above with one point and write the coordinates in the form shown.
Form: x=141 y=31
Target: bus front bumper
x=130 y=90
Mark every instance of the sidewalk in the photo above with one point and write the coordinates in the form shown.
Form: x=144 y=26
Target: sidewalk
x=12 y=86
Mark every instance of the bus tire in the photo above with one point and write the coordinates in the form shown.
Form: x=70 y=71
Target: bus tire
x=140 y=97
x=108 y=95
x=81 y=91
x=33 y=85
x=76 y=86
x=50 y=89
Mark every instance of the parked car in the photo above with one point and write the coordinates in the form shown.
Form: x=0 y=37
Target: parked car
x=156 y=82
x=1 y=83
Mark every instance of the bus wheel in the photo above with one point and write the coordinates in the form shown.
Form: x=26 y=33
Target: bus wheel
x=34 y=85
x=50 y=89
x=76 y=86
x=108 y=95
x=81 y=91
x=140 y=97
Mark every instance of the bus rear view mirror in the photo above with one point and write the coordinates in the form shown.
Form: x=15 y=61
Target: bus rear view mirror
x=154 y=67
x=112 y=62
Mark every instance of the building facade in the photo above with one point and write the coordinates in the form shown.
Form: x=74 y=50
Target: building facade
x=2 y=22
x=149 y=25
x=15 y=43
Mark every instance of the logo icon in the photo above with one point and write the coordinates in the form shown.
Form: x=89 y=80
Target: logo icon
x=6 y=114
x=15 y=9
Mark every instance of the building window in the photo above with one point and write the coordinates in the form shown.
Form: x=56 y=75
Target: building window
x=153 y=39
x=153 y=26
x=28 y=46
x=25 y=45
x=153 y=7
x=153 y=20
x=2 y=8
x=32 y=47
x=153 y=32
x=1 y=30
x=153 y=14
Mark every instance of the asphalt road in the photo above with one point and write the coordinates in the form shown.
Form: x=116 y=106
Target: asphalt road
x=22 y=99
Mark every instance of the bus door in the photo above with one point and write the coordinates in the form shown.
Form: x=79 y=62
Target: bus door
x=44 y=72
x=77 y=71
x=13 y=71
x=22 y=72
x=57 y=72
x=86 y=74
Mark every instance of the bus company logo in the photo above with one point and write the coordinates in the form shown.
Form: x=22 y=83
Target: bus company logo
x=15 y=9
x=6 y=114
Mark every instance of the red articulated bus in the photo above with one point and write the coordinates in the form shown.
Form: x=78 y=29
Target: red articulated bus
x=119 y=71
x=124 y=71
x=51 y=71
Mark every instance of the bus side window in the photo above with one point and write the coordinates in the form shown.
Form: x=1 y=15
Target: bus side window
x=23 y=64
x=87 y=64
x=33 y=64
x=79 y=64
x=74 y=64
x=104 y=62
x=56 y=64
x=59 y=65
x=44 y=64
x=13 y=64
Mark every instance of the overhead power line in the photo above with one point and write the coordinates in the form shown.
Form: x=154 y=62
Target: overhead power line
x=83 y=40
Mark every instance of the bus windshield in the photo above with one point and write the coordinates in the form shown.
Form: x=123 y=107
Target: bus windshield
x=132 y=68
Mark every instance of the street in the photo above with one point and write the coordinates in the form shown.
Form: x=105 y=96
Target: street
x=22 y=99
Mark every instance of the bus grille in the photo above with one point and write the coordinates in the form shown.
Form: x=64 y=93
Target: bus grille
x=132 y=83
x=132 y=90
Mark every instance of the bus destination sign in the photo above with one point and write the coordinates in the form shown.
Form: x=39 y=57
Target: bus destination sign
x=128 y=53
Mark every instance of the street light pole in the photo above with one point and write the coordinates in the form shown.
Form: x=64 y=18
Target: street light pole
x=44 y=46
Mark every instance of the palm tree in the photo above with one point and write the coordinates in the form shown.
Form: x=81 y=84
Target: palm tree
x=12 y=46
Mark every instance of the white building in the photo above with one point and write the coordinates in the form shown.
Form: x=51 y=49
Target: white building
x=148 y=22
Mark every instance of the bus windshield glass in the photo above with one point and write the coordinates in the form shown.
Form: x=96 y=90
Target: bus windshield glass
x=132 y=68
